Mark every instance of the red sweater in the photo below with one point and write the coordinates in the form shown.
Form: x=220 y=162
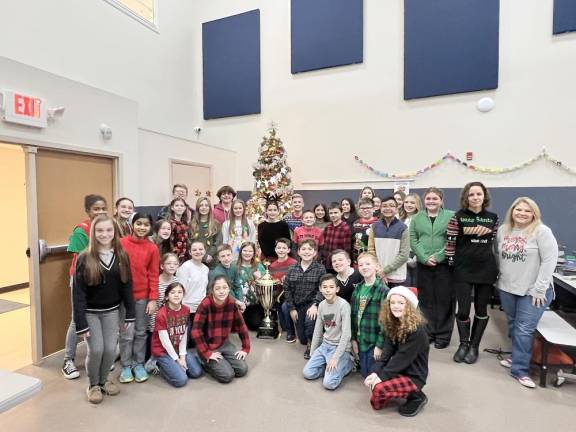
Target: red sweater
x=145 y=265
x=308 y=233
x=213 y=324
x=279 y=269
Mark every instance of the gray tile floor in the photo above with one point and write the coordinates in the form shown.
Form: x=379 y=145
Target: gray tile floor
x=275 y=397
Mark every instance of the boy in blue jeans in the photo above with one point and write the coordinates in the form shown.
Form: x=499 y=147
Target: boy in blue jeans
x=331 y=349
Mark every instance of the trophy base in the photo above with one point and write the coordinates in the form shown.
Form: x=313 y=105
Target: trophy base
x=265 y=332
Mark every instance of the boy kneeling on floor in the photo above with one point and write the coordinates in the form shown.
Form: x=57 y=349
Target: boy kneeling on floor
x=331 y=349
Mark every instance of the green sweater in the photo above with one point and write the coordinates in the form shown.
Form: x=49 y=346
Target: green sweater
x=427 y=238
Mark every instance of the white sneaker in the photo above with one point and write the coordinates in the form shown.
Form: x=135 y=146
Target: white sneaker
x=526 y=381
x=69 y=370
x=507 y=363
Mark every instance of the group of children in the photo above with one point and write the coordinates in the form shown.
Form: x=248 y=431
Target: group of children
x=346 y=277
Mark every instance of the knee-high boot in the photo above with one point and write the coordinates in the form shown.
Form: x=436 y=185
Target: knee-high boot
x=464 y=332
x=478 y=328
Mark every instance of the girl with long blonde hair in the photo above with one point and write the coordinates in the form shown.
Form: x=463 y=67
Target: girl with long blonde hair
x=102 y=282
x=206 y=229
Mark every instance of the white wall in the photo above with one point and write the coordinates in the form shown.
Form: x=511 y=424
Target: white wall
x=360 y=109
x=94 y=43
x=80 y=52
x=86 y=109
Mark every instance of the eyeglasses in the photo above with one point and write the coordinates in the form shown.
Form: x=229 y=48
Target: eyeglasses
x=365 y=208
x=388 y=206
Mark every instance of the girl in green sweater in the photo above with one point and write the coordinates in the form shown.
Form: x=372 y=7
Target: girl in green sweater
x=428 y=241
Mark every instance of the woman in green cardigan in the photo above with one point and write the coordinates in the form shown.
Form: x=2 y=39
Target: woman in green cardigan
x=435 y=291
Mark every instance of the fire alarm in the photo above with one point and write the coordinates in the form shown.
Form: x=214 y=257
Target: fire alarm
x=469 y=156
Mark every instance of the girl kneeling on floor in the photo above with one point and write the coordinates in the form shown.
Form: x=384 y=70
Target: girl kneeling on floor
x=216 y=317
x=402 y=370
x=176 y=365
x=102 y=282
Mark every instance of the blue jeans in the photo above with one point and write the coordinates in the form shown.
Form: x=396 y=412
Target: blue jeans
x=366 y=362
x=173 y=372
x=316 y=366
x=523 y=319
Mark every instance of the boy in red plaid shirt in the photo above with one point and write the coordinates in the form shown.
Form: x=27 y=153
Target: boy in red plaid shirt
x=402 y=369
x=216 y=317
x=337 y=235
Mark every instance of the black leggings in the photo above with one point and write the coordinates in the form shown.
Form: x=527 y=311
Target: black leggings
x=482 y=294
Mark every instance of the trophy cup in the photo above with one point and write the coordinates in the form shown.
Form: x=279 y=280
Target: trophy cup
x=267 y=296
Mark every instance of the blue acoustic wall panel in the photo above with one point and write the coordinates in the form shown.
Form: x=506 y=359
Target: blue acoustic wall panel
x=450 y=46
x=564 y=16
x=231 y=65
x=326 y=33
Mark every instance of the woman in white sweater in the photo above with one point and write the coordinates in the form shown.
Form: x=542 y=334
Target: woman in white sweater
x=527 y=257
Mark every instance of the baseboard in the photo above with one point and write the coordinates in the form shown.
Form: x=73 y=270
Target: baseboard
x=13 y=287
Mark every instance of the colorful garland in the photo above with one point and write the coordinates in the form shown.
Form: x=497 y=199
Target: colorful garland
x=450 y=157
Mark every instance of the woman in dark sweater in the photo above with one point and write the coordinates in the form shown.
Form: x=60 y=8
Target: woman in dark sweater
x=271 y=230
x=469 y=250
x=102 y=283
x=402 y=370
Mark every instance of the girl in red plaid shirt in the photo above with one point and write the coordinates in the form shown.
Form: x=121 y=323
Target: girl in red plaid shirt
x=402 y=369
x=216 y=317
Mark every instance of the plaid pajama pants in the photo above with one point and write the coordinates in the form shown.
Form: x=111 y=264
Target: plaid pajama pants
x=396 y=388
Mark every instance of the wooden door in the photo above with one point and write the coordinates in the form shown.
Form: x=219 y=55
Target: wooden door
x=197 y=177
x=62 y=181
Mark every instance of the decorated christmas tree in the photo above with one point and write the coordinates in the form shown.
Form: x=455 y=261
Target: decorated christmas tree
x=271 y=177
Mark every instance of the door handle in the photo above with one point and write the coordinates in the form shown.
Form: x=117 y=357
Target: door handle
x=44 y=250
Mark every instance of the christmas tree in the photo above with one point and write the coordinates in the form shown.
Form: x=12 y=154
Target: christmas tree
x=271 y=177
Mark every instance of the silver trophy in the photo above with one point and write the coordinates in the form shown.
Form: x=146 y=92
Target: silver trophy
x=267 y=295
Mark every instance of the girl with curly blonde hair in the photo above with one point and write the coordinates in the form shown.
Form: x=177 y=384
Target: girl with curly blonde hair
x=402 y=369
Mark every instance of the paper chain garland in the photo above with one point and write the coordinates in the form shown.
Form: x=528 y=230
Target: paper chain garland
x=450 y=157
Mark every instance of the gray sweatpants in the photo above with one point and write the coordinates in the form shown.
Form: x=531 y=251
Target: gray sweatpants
x=133 y=340
x=71 y=338
x=101 y=345
x=225 y=369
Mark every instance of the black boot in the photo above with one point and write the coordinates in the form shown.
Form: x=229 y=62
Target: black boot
x=414 y=404
x=464 y=332
x=478 y=328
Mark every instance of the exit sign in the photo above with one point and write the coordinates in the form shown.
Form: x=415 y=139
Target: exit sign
x=24 y=109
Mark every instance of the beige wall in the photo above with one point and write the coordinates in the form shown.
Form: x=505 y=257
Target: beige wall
x=155 y=152
x=13 y=222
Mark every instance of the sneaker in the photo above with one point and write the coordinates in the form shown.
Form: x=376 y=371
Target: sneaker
x=307 y=353
x=152 y=367
x=290 y=338
x=526 y=381
x=414 y=404
x=110 y=388
x=507 y=363
x=69 y=370
x=126 y=375
x=112 y=367
x=140 y=374
x=94 y=394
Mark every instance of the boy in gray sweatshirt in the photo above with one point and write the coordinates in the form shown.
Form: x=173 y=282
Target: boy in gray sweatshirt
x=331 y=349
